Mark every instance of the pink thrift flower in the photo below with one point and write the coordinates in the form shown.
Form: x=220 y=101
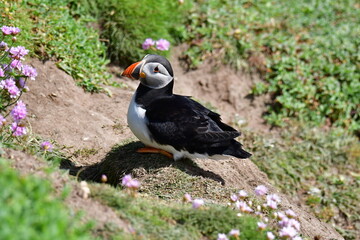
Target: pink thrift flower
x=271 y=204
x=270 y=236
x=280 y=215
x=222 y=236
x=46 y=146
x=6 y=30
x=15 y=30
x=294 y=223
x=13 y=91
x=148 y=43
x=3 y=46
x=18 y=52
x=18 y=130
x=197 y=203
x=2 y=73
x=19 y=111
x=288 y=232
x=242 y=194
x=290 y=213
x=273 y=197
x=162 y=44
x=261 y=190
x=284 y=222
x=10 y=30
x=187 y=198
x=261 y=225
x=133 y=183
x=16 y=63
x=243 y=207
x=233 y=197
x=129 y=182
x=234 y=232
x=126 y=179
x=2 y=120
x=29 y=71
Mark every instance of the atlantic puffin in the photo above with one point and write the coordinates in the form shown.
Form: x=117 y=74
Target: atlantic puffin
x=175 y=125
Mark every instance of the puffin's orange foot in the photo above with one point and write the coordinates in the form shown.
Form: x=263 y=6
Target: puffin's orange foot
x=155 y=150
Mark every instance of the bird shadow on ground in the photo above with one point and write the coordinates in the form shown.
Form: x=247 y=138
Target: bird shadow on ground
x=123 y=159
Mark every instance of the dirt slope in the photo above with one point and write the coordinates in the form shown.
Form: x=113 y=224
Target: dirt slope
x=86 y=123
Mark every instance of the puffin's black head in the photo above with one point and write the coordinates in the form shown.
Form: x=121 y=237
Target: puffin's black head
x=153 y=71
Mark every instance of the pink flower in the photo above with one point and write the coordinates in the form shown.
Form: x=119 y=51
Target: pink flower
x=261 y=190
x=46 y=146
x=6 y=30
x=222 y=236
x=18 y=52
x=3 y=46
x=126 y=179
x=187 y=198
x=288 y=232
x=234 y=232
x=19 y=111
x=10 y=30
x=243 y=207
x=273 y=197
x=13 y=91
x=261 y=225
x=270 y=236
x=162 y=44
x=233 y=197
x=280 y=215
x=284 y=222
x=16 y=63
x=29 y=71
x=271 y=204
x=129 y=182
x=242 y=194
x=2 y=73
x=148 y=43
x=2 y=121
x=294 y=223
x=196 y=203
x=18 y=130
x=290 y=213
x=135 y=184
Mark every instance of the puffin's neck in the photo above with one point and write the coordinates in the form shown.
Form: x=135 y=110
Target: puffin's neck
x=145 y=95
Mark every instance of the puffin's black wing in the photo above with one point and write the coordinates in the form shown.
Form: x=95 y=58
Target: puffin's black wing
x=187 y=125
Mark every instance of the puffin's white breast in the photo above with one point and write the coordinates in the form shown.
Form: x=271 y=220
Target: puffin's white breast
x=137 y=122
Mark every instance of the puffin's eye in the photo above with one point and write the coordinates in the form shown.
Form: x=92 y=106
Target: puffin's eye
x=156 y=70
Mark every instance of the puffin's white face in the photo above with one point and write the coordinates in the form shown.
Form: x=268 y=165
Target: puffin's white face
x=153 y=71
x=154 y=75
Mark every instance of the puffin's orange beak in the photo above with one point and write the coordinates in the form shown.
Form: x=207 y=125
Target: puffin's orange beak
x=133 y=71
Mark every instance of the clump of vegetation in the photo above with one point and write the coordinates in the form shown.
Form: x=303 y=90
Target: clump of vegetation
x=52 y=32
x=127 y=24
x=29 y=210
x=306 y=51
x=165 y=220
x=317 y=168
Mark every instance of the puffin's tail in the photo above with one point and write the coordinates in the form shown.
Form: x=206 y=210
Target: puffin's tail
x=236 y=150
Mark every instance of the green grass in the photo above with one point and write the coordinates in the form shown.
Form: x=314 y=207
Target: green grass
x=29 y=210
x=307 y=52
x=52 y=32
x=126 y=24
x=157 y=219
x=317 y=167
